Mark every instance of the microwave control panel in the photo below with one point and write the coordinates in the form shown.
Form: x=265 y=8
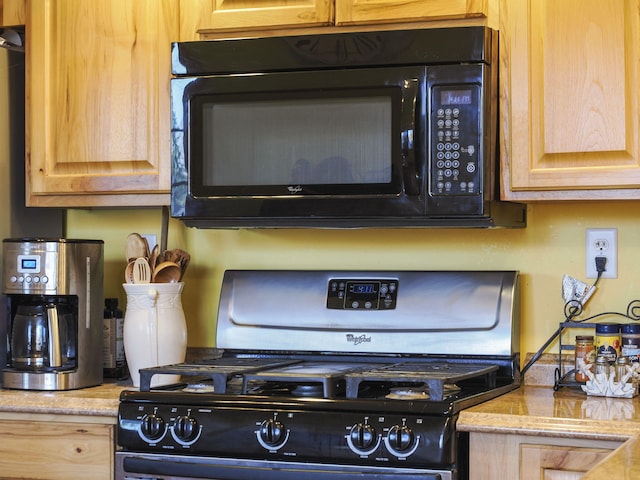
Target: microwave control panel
x=455 y=140
x=362 y=294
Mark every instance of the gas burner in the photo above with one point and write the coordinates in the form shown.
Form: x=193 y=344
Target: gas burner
x=315 y=390
x=199 y=388
x=307 y=390
x=403 y=393
x=420 y=393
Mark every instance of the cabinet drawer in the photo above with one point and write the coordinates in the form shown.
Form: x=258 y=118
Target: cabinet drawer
x=52 y=450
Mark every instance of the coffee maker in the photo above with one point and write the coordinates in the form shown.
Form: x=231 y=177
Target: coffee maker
x=53 y=295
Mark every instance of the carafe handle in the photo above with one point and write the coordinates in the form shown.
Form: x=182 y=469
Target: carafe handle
x=53 y=324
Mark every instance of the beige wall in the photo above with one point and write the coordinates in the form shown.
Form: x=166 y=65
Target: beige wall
x=553 y=244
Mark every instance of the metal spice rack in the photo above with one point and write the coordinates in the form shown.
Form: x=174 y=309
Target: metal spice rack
x=568 y=379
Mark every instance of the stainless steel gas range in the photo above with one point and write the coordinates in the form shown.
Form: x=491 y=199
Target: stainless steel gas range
x=330 y=374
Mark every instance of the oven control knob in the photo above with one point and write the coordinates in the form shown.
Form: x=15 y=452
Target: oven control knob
x=152 y=426
x=185 y=428
x=400 y=439
x=272 y=433
x=362 y=436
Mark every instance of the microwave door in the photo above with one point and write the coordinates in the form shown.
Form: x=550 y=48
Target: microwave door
x=300 y=142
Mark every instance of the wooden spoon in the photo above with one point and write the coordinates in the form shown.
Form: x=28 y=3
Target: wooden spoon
x=153 y=257
x=135 y=247
x=180 y=257
x=167 y=272
x=128 y=272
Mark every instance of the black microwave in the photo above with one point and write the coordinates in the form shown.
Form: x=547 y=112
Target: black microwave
x=339 y=130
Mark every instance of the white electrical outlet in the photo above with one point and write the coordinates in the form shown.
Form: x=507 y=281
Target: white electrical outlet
x=602 y=242
x=151 y=239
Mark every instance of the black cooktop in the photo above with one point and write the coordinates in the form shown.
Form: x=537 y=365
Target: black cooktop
x=383 y=379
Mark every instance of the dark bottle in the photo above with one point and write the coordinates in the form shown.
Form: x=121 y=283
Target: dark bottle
x=114 y=362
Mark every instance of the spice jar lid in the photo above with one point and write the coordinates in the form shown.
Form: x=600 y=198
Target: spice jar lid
x=587 y=338
x=630 y=328
x=608 y=328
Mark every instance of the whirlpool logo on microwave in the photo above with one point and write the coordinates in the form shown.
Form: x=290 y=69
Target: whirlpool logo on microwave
x=293 y=189
x=358 y=339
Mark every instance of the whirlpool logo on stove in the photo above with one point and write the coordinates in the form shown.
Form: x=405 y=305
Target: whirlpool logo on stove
x=358 y=339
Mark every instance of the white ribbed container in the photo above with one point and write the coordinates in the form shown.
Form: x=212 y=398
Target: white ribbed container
x=155 y=331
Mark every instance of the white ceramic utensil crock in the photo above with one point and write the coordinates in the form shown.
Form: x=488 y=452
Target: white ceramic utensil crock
x=155 y=331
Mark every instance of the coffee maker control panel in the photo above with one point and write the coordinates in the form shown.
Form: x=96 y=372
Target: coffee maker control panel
x=30 y=268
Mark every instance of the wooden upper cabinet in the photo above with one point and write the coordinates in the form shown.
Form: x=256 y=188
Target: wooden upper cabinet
x=198 y=18
x=98 y=122
x=201 y=16
x=570 y=103
x=12 y=12
x=375 y=11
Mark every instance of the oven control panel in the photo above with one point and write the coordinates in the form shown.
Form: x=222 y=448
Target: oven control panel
x=286 y=433
x=362 y=294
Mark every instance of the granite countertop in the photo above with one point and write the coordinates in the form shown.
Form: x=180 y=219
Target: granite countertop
x=539 y=410
x=570 y=413
x=100 y=401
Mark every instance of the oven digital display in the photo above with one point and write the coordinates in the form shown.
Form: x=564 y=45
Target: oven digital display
x=363 y=288
x=362 y=294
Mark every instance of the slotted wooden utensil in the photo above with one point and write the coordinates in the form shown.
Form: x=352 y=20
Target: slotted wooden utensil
x=141 y=271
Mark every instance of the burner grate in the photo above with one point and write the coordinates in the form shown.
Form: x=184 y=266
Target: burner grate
x=329 y=375
x=218 y=370
x=435 y=376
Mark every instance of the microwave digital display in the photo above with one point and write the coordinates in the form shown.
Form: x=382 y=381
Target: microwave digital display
x=455 y=97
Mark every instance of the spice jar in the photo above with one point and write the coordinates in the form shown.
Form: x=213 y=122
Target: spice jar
x=631 y=342
x=585 y=351
x=621 y=368
x=602 y=365
x=608 y=341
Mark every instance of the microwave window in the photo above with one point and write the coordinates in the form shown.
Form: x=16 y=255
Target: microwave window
x=321 y=141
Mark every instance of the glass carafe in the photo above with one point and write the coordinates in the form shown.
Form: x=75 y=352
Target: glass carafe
x=39 y=338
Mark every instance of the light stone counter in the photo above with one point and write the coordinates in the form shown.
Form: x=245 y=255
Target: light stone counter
x=532 y=410
x=99 y=402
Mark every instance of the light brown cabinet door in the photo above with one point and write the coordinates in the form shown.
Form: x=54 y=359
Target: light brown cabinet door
x=12 y=12
x=523 y=457
x=210 y=18
x=205 y=16
x=558 y=463
x=98 y=122
x=570 y=103
x=373 y=11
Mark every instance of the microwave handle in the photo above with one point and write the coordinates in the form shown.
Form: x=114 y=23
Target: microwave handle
x=411 y=174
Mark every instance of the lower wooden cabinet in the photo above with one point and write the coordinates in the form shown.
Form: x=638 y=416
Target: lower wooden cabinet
x=495 y=456
x=52 y=450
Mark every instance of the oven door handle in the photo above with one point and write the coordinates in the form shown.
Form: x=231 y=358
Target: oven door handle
x=194 y=469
